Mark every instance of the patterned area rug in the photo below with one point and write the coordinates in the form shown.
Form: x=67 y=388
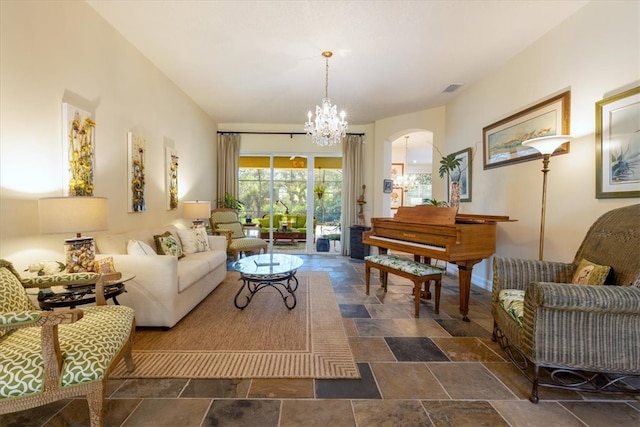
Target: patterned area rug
x=265 y=340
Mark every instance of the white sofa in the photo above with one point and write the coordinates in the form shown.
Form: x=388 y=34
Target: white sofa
x=164 y=289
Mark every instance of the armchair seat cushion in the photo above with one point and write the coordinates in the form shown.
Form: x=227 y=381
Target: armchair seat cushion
x=512 y=301
x=88 y=348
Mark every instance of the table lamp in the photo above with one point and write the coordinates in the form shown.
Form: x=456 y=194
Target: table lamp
x=75 y=215
x=545 y=145
x=197 y=211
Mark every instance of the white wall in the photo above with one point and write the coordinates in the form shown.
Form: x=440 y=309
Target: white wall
x=593 y=53
x=55 y=52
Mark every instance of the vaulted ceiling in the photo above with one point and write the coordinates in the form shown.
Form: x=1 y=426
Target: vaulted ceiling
x=260 y=61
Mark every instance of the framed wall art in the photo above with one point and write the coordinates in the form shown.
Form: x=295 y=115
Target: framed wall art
x=396 y=197
x=618 y=145
x=397 y=169
x=502 y=141
x=78 y=153
x=136 y=146
x=462 y=174
x=387 y=186
x=171 y=174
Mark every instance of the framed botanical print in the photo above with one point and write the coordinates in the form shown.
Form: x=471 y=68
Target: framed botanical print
x=618 y=145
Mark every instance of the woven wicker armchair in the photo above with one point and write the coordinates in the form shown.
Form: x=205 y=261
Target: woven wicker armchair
x=586 y=337
x=52 y=355
x=225 y=222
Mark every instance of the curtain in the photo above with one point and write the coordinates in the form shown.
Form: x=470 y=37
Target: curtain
x=352 y=168
x=228 y=164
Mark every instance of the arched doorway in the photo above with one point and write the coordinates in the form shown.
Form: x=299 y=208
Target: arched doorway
x=411 y=157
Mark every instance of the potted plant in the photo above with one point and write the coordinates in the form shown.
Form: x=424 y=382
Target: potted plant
x=319 y=190
x=229 y=201
x=448 y=166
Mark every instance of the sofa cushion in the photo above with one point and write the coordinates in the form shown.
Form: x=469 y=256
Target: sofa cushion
x=589 y=273
x=194 y=240
x=167 y=244
x=117 y=243
x=137 y=247
x=190 y=270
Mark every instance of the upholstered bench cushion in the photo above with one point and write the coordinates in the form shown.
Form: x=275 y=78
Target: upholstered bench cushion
x=88 y=348
x=512 y=301
x=405 y=265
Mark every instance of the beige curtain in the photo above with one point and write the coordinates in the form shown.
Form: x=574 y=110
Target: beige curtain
x=352 y=168
x=228 y=164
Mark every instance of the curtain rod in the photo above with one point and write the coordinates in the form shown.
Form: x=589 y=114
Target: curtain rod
x=276 y=133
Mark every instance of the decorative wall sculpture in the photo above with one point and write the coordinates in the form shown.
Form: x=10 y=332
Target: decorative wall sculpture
x=136 y=173
x=172 y=178
x=78 y=154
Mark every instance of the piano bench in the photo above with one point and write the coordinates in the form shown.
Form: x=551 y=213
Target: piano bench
x=417 y=272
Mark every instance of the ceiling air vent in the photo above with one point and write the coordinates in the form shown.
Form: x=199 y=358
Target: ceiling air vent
x=451 y=88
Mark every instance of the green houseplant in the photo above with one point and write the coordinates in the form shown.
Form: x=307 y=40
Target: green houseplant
x=229 y=201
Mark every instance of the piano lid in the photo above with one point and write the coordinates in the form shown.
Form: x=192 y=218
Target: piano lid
x=427 y=214
x=436 y=215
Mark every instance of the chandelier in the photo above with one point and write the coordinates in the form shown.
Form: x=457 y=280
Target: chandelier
x=327 y=128
x=405 y=180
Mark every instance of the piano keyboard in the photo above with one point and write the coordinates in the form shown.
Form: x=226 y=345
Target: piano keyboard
x=408 y=243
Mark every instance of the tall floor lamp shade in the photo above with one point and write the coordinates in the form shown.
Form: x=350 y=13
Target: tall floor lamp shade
x=545 y=145
x=75 y=215
x=196 y=211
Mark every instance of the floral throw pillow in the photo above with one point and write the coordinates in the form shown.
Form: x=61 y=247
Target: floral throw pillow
x=589 y=273
x=194 y=240
x=166 y=244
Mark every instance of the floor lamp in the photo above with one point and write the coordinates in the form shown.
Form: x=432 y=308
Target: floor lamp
x=545 y=145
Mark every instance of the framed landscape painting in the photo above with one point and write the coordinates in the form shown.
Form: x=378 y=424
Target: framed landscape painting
x=618 y=145
x=502 y=141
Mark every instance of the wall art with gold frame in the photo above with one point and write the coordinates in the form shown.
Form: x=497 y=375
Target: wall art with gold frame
x=618 y=145
x=502 y=141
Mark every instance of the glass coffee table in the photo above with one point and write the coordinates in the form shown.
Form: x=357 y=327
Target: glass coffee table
x=267 y=270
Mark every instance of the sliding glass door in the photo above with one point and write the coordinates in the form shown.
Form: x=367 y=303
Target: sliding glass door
x=287 y=190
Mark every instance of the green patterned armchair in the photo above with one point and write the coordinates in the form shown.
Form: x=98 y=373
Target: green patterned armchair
x=575 y=325
x=47 y=356
x=225 y=222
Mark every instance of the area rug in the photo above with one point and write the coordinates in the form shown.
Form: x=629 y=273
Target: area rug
x=265 y=340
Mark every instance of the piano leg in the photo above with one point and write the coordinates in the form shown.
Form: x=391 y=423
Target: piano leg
x=465 y=269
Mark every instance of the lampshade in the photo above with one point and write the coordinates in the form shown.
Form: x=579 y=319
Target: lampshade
x=547 y=144
x=196 y=209
x=72 y=214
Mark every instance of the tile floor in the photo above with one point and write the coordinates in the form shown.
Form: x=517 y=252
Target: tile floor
x=432 y=371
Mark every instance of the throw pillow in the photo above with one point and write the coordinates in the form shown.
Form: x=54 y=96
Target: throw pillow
x=166 y=244
x=194 y=240
x=589 y=273
x=136 y=247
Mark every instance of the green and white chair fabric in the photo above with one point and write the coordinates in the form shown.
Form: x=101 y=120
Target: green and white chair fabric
x=225 y=222
x=52 y=355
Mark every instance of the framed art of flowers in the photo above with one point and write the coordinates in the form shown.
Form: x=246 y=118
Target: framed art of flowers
x=78 y=154
x=618 y=145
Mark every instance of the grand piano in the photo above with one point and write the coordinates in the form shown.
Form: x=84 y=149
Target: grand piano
x=441 y=233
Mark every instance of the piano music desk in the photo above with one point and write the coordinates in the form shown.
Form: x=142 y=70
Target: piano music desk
x=417 y=272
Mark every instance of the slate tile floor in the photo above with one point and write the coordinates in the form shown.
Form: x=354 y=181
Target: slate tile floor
x=432 y=371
